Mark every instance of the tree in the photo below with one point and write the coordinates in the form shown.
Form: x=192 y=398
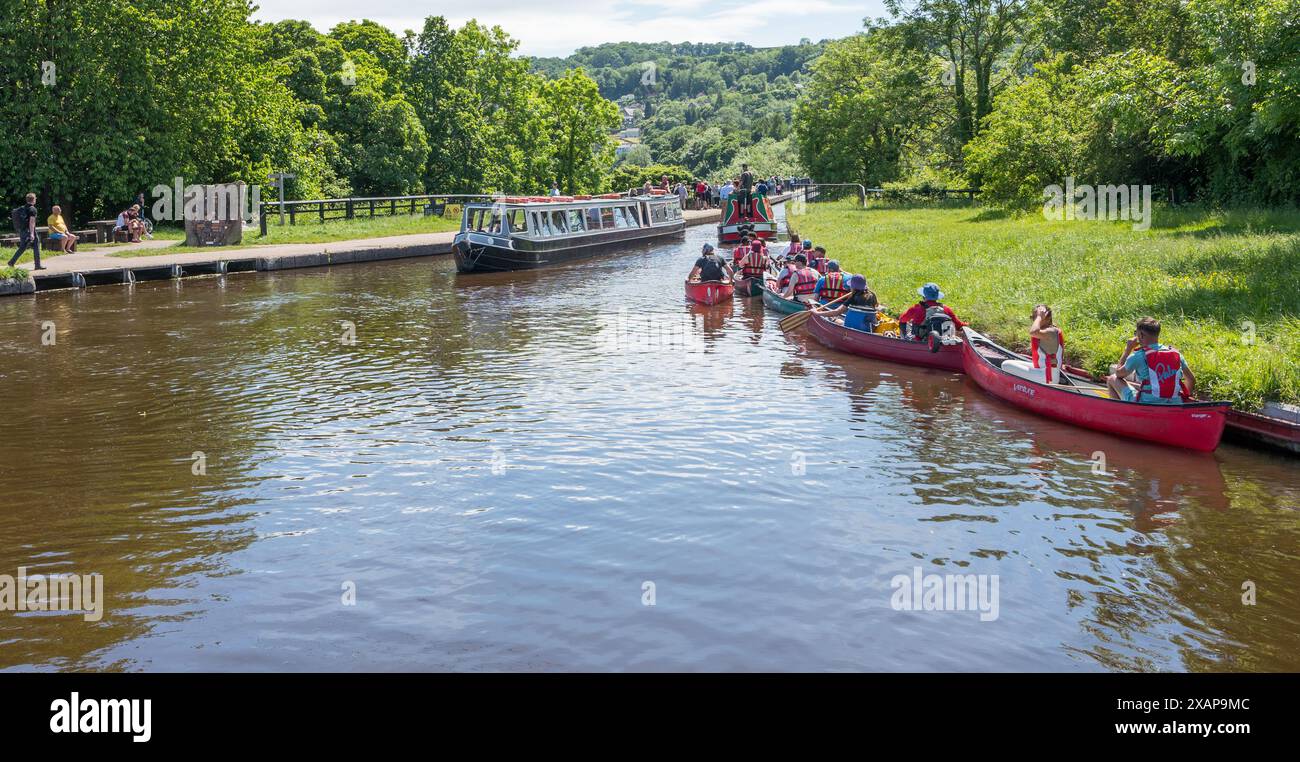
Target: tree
x=580 y=122
x=974 y=38
x=866 y=104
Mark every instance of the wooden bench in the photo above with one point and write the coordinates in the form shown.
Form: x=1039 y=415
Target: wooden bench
x=83 y=236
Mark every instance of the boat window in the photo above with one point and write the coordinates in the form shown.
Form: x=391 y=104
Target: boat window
x=607 y=217
x=593 y=218
x=544 y=224
x=620 y=219
x=575 y=221
x=658 y=213
x=474 y=219
x=632 y=219
x=558 y=223
x=515 y=220
x=494 y=226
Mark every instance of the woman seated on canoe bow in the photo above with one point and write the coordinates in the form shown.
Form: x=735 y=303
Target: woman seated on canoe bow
x=860 y=298
x=1046 y=344
x=798 y=281
x=710 y=267
x=1150 y=372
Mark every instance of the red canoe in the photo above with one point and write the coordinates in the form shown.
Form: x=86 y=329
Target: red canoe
x=709 y=291
x=1267 y=429
x=832 y=333
x=1194 y=425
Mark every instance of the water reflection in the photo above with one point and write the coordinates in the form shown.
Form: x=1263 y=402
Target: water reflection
x=500 y=461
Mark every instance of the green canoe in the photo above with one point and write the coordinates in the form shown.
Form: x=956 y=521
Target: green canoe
x=779 y=303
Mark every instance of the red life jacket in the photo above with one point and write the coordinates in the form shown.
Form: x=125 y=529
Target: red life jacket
x=806 y=283
x=755 y=264
x=1051 y=364
x=784 y=279
x=834 y=287
x=1164 y=373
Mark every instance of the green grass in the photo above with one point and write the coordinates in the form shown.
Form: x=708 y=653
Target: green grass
x=1209 y=277
x=335 y=230
x=13 y=273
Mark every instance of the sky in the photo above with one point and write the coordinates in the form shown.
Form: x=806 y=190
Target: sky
x=559 y=27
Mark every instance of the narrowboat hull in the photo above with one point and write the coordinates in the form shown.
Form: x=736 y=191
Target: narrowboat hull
x=709 y=292
x=737 y=223
x=881 y=347
x=476 y=252
x=1193 y=426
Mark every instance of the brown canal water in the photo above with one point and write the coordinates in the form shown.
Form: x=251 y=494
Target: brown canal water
x=500 y=464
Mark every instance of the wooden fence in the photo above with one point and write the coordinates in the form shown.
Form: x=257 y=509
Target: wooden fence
x=325 y=210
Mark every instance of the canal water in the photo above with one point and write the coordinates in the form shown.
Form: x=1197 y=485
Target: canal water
x=395 y=467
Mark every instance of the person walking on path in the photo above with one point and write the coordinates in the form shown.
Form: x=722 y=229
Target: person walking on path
x=24 y=219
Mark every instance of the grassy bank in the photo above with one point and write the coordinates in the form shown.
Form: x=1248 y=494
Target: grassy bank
x=1224 y=284
x=335 y=230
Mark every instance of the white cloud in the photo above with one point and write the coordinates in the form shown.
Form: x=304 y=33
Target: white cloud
x=561 y=26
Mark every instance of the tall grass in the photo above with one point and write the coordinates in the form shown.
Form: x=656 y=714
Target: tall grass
x=1224 y=284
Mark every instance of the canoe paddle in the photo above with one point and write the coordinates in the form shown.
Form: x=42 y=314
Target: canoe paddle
x=791 y=322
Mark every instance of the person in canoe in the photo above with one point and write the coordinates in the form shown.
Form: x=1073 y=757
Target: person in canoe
x=754 y=265
x=710 y=267
x=794 y=246
x=930 y=315
x=817 y=259
x=860 y=297
x=740 y=252
x=798 y=281
x=832 y=285
x=1150 y=372
x=1046 y=344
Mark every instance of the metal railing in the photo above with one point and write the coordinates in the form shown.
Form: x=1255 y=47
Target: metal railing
x=823 y=192
x=324 y=210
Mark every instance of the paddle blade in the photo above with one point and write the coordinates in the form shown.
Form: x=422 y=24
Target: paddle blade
x=791 y=322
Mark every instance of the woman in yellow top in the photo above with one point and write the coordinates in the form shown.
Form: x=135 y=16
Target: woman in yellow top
x=59 y=231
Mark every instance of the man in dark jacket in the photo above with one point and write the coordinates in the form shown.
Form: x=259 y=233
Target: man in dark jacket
x=25 y=223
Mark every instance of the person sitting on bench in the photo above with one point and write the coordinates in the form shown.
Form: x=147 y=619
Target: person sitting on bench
x=59 y=231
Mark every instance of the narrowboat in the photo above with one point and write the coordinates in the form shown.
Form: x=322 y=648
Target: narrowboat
x=738 y=221
x=519 y=233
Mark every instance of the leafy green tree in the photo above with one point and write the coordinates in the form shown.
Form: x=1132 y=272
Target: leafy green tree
x=866 y=103
x=979 y=40
x=580 y=122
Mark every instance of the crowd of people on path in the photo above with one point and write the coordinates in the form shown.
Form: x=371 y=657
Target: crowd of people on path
x=702 y=194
